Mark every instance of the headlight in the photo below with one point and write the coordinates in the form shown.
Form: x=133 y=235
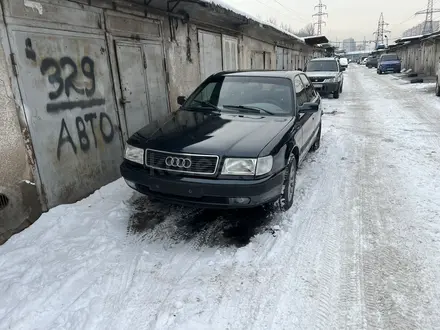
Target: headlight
x=247 y=166
x=330 y=79
x=134 y=154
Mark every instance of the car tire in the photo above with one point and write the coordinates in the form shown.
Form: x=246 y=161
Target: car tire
x=379 y=72
x=317 y=143
x=336 y=94
x=285 y=201
x=437 y=88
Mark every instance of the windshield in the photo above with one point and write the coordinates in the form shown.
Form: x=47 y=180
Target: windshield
x=389 y=57
x=259 y=95
x=322 y=66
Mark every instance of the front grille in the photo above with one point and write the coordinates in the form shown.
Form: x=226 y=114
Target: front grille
x=183 y=163
x=317 y=79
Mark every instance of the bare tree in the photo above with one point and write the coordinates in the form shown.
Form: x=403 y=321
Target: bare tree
x=273 y=21
x=307 y=31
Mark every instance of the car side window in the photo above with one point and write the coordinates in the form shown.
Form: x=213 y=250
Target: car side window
x=207 y=93
x=300 y=90
x=310 y=90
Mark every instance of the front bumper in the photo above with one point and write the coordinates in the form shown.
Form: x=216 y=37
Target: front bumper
x=326 y=87
x=389 y=68
x=202 y=192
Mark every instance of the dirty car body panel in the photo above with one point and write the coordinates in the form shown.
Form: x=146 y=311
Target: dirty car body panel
x=186 y=157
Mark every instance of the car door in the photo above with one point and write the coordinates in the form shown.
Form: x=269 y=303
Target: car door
x=315 y=117
x=304 y=119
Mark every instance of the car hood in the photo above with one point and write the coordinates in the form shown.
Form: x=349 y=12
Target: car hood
x=321 y=74
x=233 y=135
x=390 y=62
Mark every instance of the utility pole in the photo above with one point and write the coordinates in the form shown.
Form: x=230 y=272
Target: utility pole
x=428 y=26
x=320 y=13
x=380 y=33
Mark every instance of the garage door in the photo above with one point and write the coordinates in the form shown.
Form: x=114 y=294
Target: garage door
x=230 y=53
x=64 y=78
x=143 y=82
x=210 y=45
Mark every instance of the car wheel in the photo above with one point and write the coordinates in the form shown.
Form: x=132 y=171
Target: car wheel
x=317 y=143
x=336 y=95
x=286 y=199
x=437 y=88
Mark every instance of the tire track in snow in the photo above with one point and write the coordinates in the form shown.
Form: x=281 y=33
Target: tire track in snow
x=351 y=311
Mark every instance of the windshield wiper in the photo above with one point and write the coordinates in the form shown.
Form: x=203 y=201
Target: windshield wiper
x=207 y=104
x=245 y=108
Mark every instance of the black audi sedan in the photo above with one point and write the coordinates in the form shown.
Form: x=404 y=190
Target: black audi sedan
x=235 y=142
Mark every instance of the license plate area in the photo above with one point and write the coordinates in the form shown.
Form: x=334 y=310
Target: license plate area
x=177 y=189
x=317 y=85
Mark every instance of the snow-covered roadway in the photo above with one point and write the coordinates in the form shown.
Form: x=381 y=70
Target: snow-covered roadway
x=359 y=249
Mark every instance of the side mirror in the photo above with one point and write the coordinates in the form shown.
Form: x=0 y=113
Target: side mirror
x=308 y=107
x=181 y=100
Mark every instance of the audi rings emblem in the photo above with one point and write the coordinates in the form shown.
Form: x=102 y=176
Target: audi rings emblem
x=178 y=162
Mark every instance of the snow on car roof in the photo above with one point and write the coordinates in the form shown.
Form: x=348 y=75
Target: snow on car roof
x=224 y=5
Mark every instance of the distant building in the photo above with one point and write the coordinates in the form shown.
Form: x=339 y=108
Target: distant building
x=349 y=45
x=418 y=29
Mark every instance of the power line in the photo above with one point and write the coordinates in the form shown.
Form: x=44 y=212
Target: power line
x=284 y=13
x=428 y=26
x=291 y=10
x=319 y=14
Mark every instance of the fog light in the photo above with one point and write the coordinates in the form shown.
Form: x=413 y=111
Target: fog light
x=131 y=184
x=240 y=200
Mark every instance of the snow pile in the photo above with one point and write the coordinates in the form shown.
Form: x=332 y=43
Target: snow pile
x=223 y=4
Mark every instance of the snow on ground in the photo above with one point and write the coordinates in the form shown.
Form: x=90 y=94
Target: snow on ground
x=359 y=249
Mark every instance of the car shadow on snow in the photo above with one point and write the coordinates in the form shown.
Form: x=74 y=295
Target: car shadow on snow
x=156 y=221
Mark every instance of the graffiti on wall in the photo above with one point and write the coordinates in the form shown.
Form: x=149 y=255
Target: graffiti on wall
x=63 y=74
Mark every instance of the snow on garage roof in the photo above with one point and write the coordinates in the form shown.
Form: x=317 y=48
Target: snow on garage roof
x=225 y=5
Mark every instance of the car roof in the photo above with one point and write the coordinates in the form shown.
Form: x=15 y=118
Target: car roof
x=259 y=73
x=323 y=59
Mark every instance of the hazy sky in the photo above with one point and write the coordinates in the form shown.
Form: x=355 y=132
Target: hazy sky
x=346 y=18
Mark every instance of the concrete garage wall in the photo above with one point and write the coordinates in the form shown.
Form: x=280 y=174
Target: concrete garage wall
x=183 y=61
x=410 y=56
x=251 y=48
x=428 y=57
x=19 y=204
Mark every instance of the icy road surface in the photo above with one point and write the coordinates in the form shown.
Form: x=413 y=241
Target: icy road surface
x=360 y=248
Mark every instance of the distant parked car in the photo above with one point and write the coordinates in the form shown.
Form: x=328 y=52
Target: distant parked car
x=364 y=61
x=343 y=62
x=235 y=142
x=371 y=62
x=326 y=75
x=389 y=63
